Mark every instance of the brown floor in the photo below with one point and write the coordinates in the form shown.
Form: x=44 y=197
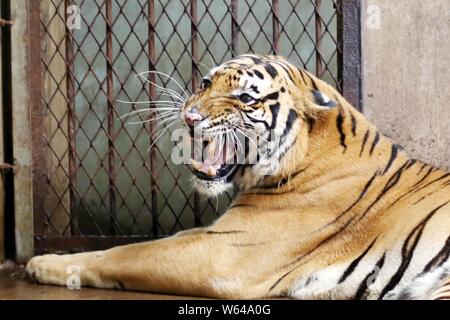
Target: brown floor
x=13 y=286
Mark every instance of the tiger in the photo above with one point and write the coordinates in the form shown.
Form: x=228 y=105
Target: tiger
x=330 y=208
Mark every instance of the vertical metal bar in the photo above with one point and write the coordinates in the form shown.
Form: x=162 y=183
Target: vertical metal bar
x=275 y=25
x=318 y=25
x=6 y=110
x=27 y=124
x=110 y=115
x=152 y=124
x=194 y=84
x=2 y=193
x=234 y=27
x=71 y=126
x=349 y=64
x=194 y=44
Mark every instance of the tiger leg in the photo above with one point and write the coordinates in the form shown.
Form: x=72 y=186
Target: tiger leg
x=191 y=264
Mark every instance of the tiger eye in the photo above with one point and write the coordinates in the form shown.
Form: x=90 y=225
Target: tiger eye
x=206 y=83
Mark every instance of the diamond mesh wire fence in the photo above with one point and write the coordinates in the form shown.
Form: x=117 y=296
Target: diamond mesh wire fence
x=103 y=182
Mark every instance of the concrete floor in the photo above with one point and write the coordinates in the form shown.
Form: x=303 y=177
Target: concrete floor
x=13 y=286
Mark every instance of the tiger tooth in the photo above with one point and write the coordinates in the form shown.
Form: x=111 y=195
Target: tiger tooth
x=197 y=165
x=211 y=172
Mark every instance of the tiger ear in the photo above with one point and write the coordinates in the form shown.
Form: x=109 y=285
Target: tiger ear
x=322 y=100
x=318 y=103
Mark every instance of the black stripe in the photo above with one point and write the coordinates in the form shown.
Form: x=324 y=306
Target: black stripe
x=339 y=123
x=264 y=122
x=394 y=153
x=292 y=116
x=271 y=96
x=285 y=69
x=314 y=84
x=240 y=205
x=440 y=258
x=421 y=168
x=274 y=109
x=430 y=170
x=271 y=70
x=280 y=279
x=361 y=195
x=354 y=263
x=225 y=232
x=254 y=88
x=411 y=190
x=271 y=193
x=433 y=181
x=361 y=293
x=408 y=249
x=424 y=197
x=255 y=59
x=303 y=76
x=258 y=74
x=286 y=149
x=366 y=136
x=353 y=124
x=374 y=143
x=412 y=162
x=311 y=124
x=393 y=180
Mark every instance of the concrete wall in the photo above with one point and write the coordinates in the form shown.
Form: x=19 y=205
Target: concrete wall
x=406 y=63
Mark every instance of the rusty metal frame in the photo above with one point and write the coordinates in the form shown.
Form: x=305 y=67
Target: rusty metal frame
x=350 y=66
x=26 y=89
x=7 y=249
x=349 y=72
x=2 y=155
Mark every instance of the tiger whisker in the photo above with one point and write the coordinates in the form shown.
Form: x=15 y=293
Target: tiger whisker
x=148 y=111
x=171 y=78
x=239 y=144
x=161 y=117
x=150 y=102
x=162 y=89
x=250 y=139
x=161 y=134
x=254 y=133
x=164 y=122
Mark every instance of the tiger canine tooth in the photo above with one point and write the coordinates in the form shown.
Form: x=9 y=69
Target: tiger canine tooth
x=211 y=172
x=197 y=165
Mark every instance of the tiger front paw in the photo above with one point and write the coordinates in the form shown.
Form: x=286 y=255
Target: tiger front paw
x=49 y=269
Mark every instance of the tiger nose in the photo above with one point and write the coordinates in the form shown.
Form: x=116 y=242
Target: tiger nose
x=192 y=116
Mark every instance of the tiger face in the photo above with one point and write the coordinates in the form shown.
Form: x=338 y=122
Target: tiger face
x=246 y=116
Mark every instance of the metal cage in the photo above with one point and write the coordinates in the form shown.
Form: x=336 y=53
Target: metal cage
x=95 y=184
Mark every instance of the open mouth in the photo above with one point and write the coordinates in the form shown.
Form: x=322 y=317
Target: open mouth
x=215 y=158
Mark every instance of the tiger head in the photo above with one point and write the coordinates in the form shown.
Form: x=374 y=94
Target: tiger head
x=250 y=117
